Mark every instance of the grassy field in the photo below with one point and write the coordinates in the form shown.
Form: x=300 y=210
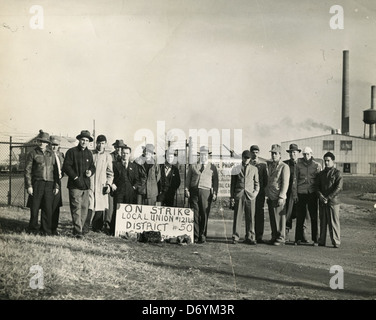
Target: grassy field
x=100 y=267
x=76 y=269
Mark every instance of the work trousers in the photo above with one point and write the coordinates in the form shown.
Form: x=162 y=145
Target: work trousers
x=277 y=217
x=329 y=218
x=123 y=197
x=259 y=216
x=42 y=198
x=247 y=207
x=305 y=200
x=109 y=212
x=200 y=202
x=79 y=204
x=95 y=221
x=56 y=203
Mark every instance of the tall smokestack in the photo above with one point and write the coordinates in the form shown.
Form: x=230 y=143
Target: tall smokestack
x=373 y=97
x=345 y=124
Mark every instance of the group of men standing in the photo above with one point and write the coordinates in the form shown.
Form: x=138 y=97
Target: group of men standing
x=292 y=187
x=99 y=181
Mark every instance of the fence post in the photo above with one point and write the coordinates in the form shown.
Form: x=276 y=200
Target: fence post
x=10 y=172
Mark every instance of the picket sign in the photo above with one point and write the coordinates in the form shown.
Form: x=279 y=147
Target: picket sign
x=170 y=221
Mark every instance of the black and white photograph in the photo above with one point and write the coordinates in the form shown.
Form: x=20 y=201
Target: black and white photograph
x=190 y=157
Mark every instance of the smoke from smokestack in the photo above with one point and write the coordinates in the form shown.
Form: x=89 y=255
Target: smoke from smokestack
x=287 y=124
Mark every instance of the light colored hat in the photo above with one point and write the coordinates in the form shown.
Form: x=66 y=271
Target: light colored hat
x=307 y=150
x=276 y=148
x=204 y=149
x=171 y=151
x=55 y=140
x=149 y=147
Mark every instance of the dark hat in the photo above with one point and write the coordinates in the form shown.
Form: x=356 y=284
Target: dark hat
x=329 y=154
x=43 y=136
x=254 y=147
x=122 y=145
x=149 y=147
x=246 y=154
x=101 y=138
x=117 y=142
x=293 y=147
x=204 y=149
x=276 y=148
x=55 y=140
x=85 y=134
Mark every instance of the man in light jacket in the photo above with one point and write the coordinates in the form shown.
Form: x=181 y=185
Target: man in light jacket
x=100 y=185
x=244 y=189
x=307 y=170
x=201 y=187
x=150 y=174
x=276 y=189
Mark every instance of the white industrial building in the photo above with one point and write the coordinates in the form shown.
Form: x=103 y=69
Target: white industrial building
x=354 y=155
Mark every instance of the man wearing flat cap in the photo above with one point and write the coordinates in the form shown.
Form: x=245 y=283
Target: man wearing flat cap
x=307 y=170
x=201 y=187
x=79 y=167
x=243 y=191
x=260 y=199
x=329 y=184
x=276 y=189
x=170 y=180
x=100 y=185
x=150 y=175
x=41 y=183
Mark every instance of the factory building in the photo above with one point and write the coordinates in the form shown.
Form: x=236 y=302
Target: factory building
x=354 y=155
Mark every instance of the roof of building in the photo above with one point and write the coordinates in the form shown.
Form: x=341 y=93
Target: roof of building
x=330 y=134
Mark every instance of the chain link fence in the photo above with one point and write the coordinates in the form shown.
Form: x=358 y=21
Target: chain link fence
x=12 y=167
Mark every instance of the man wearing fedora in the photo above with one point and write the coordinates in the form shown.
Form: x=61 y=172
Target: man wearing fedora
x=41 y=183
x=116 y=154
x=292 y=196
x=260 y=198
x=79 y=167
x=58 y=198
x=170 y=180
x=201 y=187
x=307 y=170
x=126 y=181
x=100 y=185
x=244 y=189
x=150 y=175
x=276 y=189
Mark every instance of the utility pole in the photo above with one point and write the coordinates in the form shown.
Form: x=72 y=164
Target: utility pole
x=10 y=172
x=94 y=129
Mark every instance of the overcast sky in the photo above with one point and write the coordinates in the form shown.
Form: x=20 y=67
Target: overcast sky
x=270 y=68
